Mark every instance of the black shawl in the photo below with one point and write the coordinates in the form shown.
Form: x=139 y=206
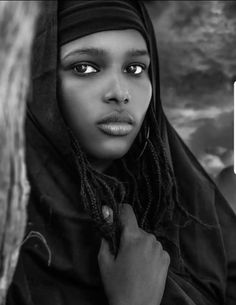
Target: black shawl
x=58 y=263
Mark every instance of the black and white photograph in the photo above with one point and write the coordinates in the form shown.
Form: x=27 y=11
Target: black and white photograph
x=117 y=183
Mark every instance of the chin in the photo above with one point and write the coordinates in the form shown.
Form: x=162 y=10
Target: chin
x=112 y=154
x=112 y=151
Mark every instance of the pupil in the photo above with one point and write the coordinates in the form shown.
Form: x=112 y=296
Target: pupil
x=80 y=68
x=132 y=69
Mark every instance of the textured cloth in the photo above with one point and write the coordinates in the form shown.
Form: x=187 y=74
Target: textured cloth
x=67 y=271
x=80 y=18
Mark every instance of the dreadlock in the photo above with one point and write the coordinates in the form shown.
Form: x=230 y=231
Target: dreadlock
x=149 y=186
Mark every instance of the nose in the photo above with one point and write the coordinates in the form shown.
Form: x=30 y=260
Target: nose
x=117 y=90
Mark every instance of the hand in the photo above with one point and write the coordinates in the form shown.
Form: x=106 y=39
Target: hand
x=137 y=275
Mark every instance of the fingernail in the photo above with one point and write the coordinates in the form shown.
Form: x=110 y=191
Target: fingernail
x=107 y=213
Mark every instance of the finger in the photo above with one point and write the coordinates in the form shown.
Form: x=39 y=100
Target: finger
x=107 y=214
x=128 y=218
x=104 y=255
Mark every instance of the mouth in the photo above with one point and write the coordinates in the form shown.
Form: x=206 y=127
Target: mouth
x=116 y=124
x=116 y=129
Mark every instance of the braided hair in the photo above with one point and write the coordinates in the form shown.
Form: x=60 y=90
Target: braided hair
x=148 y=184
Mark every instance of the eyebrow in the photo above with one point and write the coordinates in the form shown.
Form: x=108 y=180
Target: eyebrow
x=136 y=52
x=101 y=52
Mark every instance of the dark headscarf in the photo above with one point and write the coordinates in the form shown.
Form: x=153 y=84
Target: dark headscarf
x=63 y=28
x=81 y=18
x=72 y=276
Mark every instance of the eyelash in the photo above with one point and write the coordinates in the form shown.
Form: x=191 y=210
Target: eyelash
x=86 y=65
x=142 y=66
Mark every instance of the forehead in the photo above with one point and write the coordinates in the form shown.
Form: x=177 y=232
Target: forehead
x=111 y=41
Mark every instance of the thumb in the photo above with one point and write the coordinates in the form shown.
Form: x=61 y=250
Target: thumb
x=128 y=218
x=104 y=255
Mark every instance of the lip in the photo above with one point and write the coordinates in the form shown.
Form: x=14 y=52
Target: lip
x=116 y=128
x=114 y=117
x=116 y=124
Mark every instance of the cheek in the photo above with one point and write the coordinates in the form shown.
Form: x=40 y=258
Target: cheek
x=76 y=103
x=142 y=97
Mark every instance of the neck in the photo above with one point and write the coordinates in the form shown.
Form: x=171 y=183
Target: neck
x=100 y=165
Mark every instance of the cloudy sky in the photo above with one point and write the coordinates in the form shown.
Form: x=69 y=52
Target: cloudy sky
x=197 y=50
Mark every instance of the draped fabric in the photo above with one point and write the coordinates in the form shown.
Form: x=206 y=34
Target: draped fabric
x=80 y=18
x=58 y=263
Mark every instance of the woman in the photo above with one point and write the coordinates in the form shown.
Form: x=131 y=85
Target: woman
x=97 y=139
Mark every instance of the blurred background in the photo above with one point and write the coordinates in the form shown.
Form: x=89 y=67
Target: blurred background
x=197 y=51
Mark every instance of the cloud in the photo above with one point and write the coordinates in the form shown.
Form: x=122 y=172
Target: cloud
x=212 y=164
x=196 y=43
x=197 y=89
x=156 y=8
x=212 y=134
x=208 y=133
x=197 y=51
x=200 y=116
x=230 y=9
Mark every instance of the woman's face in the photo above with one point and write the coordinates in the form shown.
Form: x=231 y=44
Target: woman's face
x=105 y=91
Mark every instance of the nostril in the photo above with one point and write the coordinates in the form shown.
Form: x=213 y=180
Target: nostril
x=126 y=100
x=120 y=100
x=111 y=100
x=117 y=97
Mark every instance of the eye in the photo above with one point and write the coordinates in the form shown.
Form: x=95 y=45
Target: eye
x=135 y=69
x=84 y=68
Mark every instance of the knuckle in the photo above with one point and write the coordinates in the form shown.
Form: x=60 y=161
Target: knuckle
x=166 y=257
x=152 y=238
x=159 y=245
x=149 y=239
